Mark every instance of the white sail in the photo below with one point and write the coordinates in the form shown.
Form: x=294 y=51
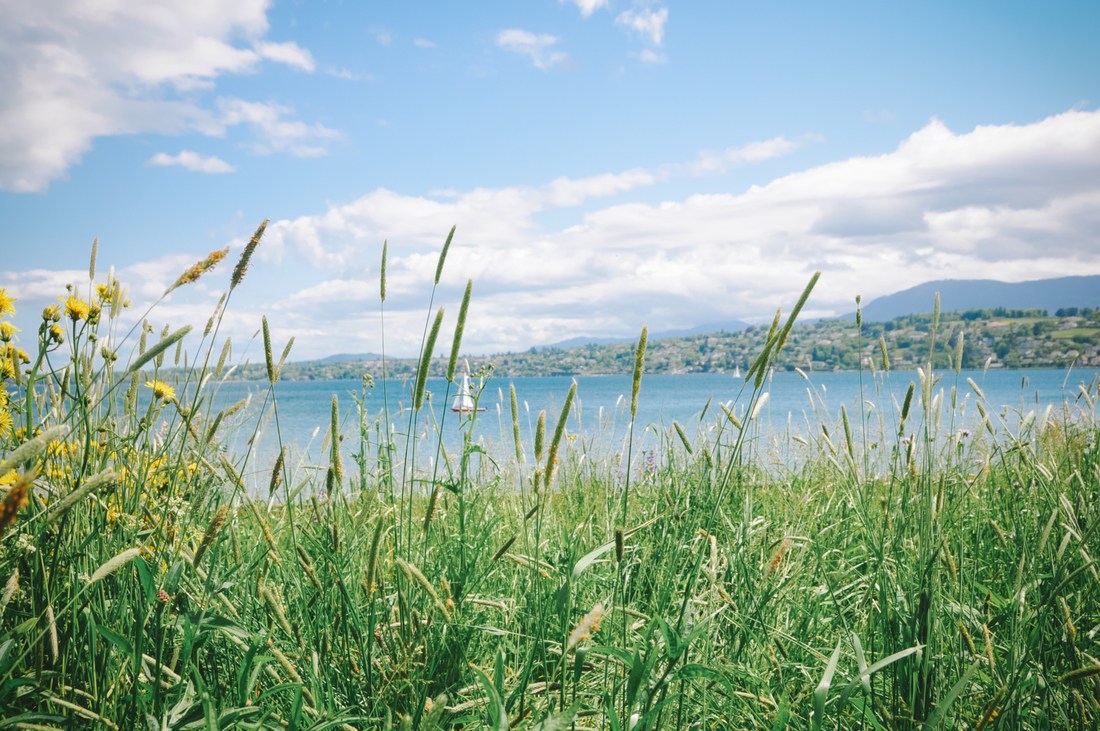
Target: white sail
x=463 y=400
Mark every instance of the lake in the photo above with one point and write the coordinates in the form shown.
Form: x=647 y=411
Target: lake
x=796 y=406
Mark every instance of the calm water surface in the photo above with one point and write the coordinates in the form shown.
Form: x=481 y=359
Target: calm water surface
x=796 y=405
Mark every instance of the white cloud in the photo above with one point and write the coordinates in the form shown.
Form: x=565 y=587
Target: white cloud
x=645 y=22
x=648 y=55
x=382 y=36
x=539 y=48
x=192 y=161
x=74 y=72
x=423 y=43
x=711 y=163
x=289 y=53
x=587 y=7
x=275 y=129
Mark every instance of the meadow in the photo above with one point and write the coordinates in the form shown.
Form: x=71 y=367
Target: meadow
x=931 y=578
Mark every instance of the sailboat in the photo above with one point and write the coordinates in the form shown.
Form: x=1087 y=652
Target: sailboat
x=464 y=402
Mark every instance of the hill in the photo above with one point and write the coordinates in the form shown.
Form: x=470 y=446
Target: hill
x=980 y=294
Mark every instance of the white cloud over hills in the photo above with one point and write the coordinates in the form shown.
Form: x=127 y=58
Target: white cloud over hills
x=1011 y=202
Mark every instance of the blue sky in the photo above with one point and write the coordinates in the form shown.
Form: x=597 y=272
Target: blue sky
x=608 y=164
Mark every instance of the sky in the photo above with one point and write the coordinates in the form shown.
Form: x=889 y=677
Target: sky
x=608 y=164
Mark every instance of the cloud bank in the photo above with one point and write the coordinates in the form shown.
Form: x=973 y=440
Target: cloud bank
x=1010 y=202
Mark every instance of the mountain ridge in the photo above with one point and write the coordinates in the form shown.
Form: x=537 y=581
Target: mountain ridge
x=960 y=295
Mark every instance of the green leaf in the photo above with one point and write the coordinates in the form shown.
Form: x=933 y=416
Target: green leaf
x=956 y=690
x=822 y=690
x=695 y=670
x=498 y=718
x=590 y=558
x=145 y=577
x=123 y=644
x=558 y=721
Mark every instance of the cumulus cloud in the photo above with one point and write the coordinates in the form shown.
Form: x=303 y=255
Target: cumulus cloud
x=537 y=47
x=648 y=23
x=587 y=7
x=71 y=74
x=192 y=161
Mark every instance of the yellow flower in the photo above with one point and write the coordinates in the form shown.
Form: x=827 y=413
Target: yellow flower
x=76 y=308
x=53 y=312
x=103 y=291
x=7 y=302
x=7 y=331
x=57 y=334
x=162 y=390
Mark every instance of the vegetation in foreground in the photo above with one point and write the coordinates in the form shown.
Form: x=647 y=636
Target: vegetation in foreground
x=944 y=580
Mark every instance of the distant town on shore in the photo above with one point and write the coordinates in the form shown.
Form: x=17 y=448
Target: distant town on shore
x=991 y=338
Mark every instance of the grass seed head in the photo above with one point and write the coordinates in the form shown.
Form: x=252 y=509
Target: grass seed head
x=246 y=256
x=199 y=268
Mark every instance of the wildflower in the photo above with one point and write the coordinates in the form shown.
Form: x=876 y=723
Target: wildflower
x=57 y=334
x=104 y=292
x=76 y=308
x=51 y=313
x=16 y=499
x=5 y=421
x=161 y=390
x=7 y=331
x=7 y=302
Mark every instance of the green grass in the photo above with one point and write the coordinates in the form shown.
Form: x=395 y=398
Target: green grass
x=937 y=579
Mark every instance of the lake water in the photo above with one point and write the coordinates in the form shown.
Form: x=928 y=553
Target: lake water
x=796 y=405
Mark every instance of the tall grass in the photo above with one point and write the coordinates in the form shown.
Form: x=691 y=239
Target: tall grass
x=920 y=577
